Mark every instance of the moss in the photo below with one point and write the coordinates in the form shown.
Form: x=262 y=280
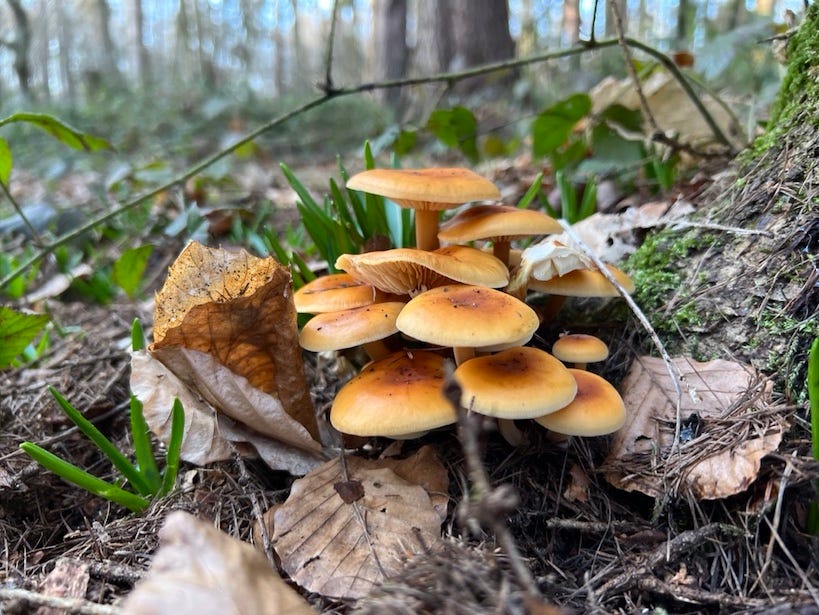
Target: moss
x=657 y=270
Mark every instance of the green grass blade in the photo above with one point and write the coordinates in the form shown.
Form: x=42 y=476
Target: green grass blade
x=532 y=192
x=107 y=447
x=813 y=395
x=304 y=271
x=568 y=198
x=83 y=479
x=137 y=335
x=143 y=451
x=589 y=203
x=174 y=448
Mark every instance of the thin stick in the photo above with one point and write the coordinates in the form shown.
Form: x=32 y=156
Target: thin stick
x=328 y=74
x=35 y=236
x=487 y=506
x=333 y=92
x=676 y=376
x=72 y=605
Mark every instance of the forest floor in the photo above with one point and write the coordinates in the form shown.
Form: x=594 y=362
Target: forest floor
x=591 y=547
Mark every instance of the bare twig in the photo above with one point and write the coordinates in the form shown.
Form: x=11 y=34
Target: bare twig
x=486 y=505
x=358 y=89
x=72 y=605
x=673 y=372
x=35 y=236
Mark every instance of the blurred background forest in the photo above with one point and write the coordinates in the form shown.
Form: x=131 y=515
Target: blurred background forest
x=154 y=74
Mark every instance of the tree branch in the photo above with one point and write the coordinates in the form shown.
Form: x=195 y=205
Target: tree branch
x=449 y=77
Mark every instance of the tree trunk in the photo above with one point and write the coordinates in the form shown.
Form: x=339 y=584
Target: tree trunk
x=571 y=29
x=753 y=296
x=481 y=32
x=143 y=59
x=434 y=47
x=64 y=34
x=109 y=51
x=390 y=46
x=21 y=46
x=44 y=51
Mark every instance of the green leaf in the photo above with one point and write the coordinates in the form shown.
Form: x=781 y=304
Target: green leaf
x=60 y=130
x=5 y=161
x=107 y=447
x=568 y=197
x=405 y=142
x=174 y=448
x=83 y=479
x=629 y=119
x=553 y=126
x=17 y=331
x=129 y=267
x=457 y=128
x=142 y=447
x=614 y=150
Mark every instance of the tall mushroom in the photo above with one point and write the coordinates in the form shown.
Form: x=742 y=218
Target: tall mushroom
x=427 y=191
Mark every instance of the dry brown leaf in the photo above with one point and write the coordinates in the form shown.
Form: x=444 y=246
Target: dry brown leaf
x=238 y=308
x=425 y=469
x=68 y=579
x=343 y=550
x=546 y=260
x=728 y=427
x=223 y=411
x=199 y=569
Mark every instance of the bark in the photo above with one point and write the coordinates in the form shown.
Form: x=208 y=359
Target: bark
x=109 y=51
x=21 y=47
x=390 y=46
x=143 y=57
x=434 y=45
x=44 y=53
x=64 y=31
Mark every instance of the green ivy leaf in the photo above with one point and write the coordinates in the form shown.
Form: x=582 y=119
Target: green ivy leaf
x=5 y=161
x=553 y=126
x=457 y=128
x=60 y=130
x=129 y=267
x=17 y=331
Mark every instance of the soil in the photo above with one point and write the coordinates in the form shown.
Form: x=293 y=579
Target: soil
x=596 y=550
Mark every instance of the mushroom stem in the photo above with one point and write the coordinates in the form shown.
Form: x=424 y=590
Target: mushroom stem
x=550 y=308
x=426 y=229
x=580 y=365
x=510 y=432
x=377 y=349
x=500 y=250
x=463 y=354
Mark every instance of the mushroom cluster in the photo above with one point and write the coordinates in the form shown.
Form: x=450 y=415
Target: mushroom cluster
x=413 y=308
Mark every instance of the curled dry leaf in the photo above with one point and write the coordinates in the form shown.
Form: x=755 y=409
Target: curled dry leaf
x=238 y=308
x=546 y=260
x=199 y=569
x=343 y=550
x=222 y=411
x=728 y=426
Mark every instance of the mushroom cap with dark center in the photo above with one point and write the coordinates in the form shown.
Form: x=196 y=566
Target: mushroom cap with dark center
x=426 y=188
x=517 y=383
x=333 y=292
x=580 y=348
x=349 y=328
x=596 y=410
x=583 y=283
x=496 y=223
x=398 y=395
x=410 y=270
x=459 y=315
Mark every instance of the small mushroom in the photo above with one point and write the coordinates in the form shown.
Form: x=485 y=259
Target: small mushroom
x=499 y=224
x=580 y=349
x=365 y=326
x=427 y=191
x=333 y=292
x=398 y=396
x=468 y=319
x=596 y=410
